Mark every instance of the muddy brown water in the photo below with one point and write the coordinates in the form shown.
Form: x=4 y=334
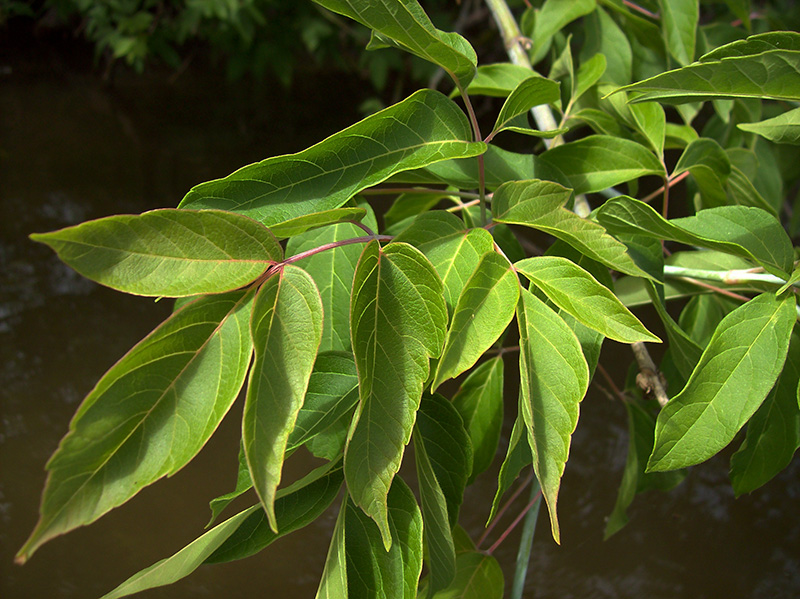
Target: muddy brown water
x=72 y=148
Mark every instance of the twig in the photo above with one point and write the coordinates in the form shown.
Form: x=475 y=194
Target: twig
x=513 y=525
x=503 y=509
x=649 y=378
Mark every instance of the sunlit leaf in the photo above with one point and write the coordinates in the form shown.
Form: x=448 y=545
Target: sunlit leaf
x=498 y=80
x=149 y=415
x=423 y=129
x=525 y=202
x=407 y=25
x=782 y=129
x=554 y=378
x=577 y=292
x=598 y=162
x=531 y=92
x=479 y=401
x=773 y=433
x=454 y=251
x=679 y=22
x=747 y=232
x=309 y=222
x=287 y=328
x=398 y=320
x=167 y=253
x=333 y=584
x=736 y=371
x=552 y=17
x=588 y=74
x=483 y=311
x=762 y=66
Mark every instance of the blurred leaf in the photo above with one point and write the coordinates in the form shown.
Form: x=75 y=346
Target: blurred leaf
x=478 y=576
x=553 y=16
x=309 y=222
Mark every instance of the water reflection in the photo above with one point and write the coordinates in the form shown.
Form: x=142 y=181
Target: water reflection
x=81 y=150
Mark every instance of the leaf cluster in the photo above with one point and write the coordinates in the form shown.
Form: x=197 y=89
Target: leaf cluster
x=346 y=334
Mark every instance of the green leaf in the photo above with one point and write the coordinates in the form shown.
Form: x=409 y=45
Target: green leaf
x=329 y=402
x=438 y=536
x=525 y=202
x=554 y=378
x=531 y=92
x=287 y=328
x=448 y=448
x=406 y=521
x=600 y=122
x=479 y=402
x=296 y=506
x=588 y=74
x=332 y=271
x=423 y=129
x=243 y=484
x=518 y=456
x=498 y=80
x=483 y=311
x=453 y=250
x=773 y=433
x=782 y=129
x=590 y=239
x=741 y=8
x=478 y=576
x=710 y=167
x=641 y=433
x=398 y=320
x=499 y=166
x=701 y=316
x=598 y=162
x=736 y=371
x=409 y=205
x=309 y=222
x=679 y=23
x=604 y=37
x=149 y=415
x=552 y=18
x=372 y=571
x=167 y=253
x=333 y=584
x=576 y=291
x=762 y=66
x=406 y=24
x=650 y=121
x=185 y=561
x=743 y=231
x=742 y=192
